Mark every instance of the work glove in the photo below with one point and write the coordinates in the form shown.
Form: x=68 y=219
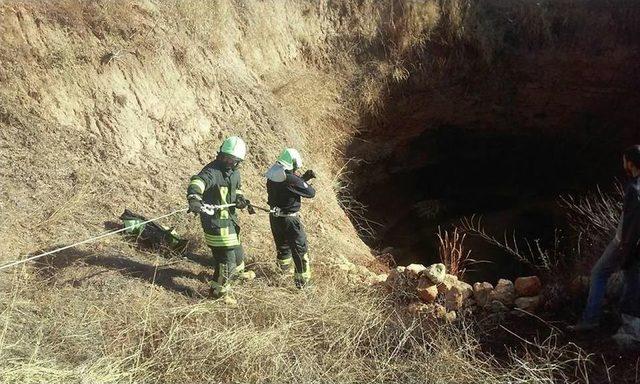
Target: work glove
x=241 y=202
x=195 y=206
x=308 y=175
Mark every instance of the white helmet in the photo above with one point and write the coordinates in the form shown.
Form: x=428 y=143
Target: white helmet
x=235 y=147
x=290 y=159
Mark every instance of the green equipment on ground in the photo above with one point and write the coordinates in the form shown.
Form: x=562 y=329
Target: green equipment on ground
x=151 y=234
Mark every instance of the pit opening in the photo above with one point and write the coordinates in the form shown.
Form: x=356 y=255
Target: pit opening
x=513 y=180
x=504 y=141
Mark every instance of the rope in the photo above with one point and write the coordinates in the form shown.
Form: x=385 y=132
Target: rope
x=11 y=264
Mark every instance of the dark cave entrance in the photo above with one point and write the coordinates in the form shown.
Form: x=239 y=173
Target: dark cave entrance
x=504 y=144
x=512 y=179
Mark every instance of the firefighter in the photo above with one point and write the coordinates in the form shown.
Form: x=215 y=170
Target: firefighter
x=219 y=183
x=285 y=188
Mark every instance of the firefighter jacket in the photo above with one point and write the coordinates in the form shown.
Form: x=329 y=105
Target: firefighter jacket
x=217 y=185
x=286 y=194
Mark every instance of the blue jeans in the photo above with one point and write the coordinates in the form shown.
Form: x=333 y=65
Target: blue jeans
x=609 y=263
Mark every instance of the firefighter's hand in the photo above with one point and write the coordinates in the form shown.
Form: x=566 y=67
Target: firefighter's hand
x=195 y=206
x=241 y=202
x=308 y=175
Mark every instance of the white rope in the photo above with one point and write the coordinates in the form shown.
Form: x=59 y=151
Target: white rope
x=11 y=264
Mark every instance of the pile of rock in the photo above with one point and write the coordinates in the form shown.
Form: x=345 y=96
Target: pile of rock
x=431 y=290
x=523 y=295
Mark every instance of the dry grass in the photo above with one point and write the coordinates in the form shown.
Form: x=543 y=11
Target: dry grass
x=527 y=251
x=594 y=217
x=452 y=251
x=333 y=332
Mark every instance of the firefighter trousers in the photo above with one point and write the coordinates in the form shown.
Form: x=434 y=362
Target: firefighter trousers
x=228 y=264
x=291 y=245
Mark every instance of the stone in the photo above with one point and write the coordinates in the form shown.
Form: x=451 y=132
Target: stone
x=453 y=300
x=465 y=288
x=378 y=279
x=436 y=273
x=451 y=316
x=446 y=284
x=497 y=307
x=413 y=271
x=426 y=290
x=528 y=286
x=439 y=311
x=504 y=292
x=481 y=293
x=455 y=297
x=528 y=304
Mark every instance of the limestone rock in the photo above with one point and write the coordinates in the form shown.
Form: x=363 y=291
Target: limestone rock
x=456 y=296
x=413 y=271
x=450 y=316
x=381 y=278
x=497 y=307
x=528 y=286
x=504 y=292
x=529 y=304
x=439 y=312
x=427 y=291
x=465 y=288
x=436 y=273
x=481 y=293
x=447 y=283
x=377 y=279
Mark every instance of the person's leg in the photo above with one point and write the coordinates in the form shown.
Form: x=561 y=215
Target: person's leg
x=630 y=300
x=225 y=264
x=602 y=270
x=298 y=244
x=278 y=230
x=239 y=252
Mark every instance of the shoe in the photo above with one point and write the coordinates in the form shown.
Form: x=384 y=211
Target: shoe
x=301 y=284
x=582 y=327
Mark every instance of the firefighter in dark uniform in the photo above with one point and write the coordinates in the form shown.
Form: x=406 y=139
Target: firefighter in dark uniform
x=285 y=188
x=217 y=184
